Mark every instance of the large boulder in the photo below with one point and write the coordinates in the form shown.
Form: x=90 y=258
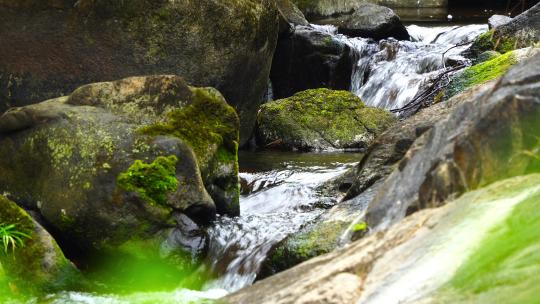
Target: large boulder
x=521 y=32
x=57 y=46
x=372 y=21
x=309 y=59
x=33 y=262
x=325 y=8
x=492 y=138
x=119 y=161
x=320 y=119
x=480 y=248
x=289 y=16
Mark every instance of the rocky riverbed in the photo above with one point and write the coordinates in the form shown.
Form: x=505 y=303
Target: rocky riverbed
x=268 y=151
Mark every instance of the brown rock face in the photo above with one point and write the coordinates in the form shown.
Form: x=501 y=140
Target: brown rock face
x=55 y=46
x=482 y=141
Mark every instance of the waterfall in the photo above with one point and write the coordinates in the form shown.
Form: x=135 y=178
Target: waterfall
x=390 y=73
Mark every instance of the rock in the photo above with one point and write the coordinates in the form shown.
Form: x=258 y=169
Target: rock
x=57 y=46
x=486 y=56
x=498 y=20
x=320 y=119
x=451 y=246
x=487 y=70
x=114 y=162
x=290 y=16
x=360 y=185
x=372 y=21
x=310 y=59
x=481 y=142
x=521 y=32
x=36 y=263
x=326 y=8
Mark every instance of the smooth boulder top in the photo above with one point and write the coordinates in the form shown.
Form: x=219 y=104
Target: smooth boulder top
x=498 y=20
x=372 y=21
x=327 y=8
x=57 y=46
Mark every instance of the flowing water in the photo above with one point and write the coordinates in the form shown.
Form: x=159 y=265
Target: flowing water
x=390 y=73
x=279 y=196
x=280 y=189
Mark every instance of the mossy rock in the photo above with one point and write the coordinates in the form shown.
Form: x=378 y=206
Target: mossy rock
x=210 y=127
x=312 y=241
x=487 y=70
x=521 y=32
x=100 y=40
x=85 y=162
x=321 y=119
x=36 y=263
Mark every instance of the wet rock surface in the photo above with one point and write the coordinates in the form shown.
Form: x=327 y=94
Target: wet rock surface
x=385 y=265
x=309 y=59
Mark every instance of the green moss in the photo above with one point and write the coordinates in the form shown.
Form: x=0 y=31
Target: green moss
x=151 y=181
x=39 y=265
x=205 y=124
x=504 y=268
x=337 y=118
x=481 y=73
x=490 y=41
x=317 y=240
x=211 y=127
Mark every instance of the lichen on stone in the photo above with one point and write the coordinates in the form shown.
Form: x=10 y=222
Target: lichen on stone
x=151 y=181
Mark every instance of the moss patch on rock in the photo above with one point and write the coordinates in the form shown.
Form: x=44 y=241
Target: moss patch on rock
x=151 y=181
x=210 y=126
x=321 y=119
x=315 y=240
x=38 y=264
x=481 y=73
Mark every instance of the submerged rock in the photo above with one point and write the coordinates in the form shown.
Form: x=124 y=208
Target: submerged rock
x=33 y=262
x=320 y=119
x=461 y=251
x=114 y=162
x=372 y=21
x=57 y=46
x=310 y=59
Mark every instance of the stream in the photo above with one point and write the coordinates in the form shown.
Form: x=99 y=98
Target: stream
x=280 y=189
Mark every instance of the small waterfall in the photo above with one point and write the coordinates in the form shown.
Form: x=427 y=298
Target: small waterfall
x=280 y=202
x=390 y=73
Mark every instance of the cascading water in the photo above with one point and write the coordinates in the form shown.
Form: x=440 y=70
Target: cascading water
x=280 y=202
x=390 y=73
